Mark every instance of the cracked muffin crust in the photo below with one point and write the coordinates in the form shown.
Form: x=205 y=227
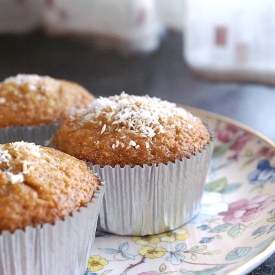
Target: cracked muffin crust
x=40 y=185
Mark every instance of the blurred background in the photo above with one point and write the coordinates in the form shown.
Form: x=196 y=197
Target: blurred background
x=216 y=55
x=210 y=54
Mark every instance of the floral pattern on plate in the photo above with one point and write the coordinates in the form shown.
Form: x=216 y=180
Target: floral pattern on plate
x=234 y=229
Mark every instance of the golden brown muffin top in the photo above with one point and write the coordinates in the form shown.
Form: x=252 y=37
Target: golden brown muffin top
x=40 y=185
x=131 y=130
x=32 y=100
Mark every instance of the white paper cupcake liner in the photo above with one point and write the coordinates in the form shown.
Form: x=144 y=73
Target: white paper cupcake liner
x=153 y=199
x=59 y=249
x=39 y=135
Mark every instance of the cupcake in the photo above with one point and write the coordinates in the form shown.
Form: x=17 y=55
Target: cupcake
x=49 y=205
x=153 y=155
x=33 y=100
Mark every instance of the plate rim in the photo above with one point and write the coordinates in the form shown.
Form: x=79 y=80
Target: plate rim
x=255 y=262
x=213 y=115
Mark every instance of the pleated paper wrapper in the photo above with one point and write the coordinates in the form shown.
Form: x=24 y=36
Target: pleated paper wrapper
x=153 y=199
x=59 y=249
x=39 y=135
x=141 y=200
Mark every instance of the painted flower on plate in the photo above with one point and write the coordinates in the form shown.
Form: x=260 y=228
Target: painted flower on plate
x=175 y=258
x=179 y=234
x=152 y=252
x=207 y=240
x=246 y=210
x=235 y=134
x=204 y=227
x=265 y=152
x=145 y=240
x=263 y=174
x=96 y=263
x=259 y=230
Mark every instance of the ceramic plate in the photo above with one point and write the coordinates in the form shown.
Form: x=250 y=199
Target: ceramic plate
x=235 y=229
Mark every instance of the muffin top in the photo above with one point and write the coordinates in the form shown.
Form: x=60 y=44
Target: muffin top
x=39 y=185
x=131 y=130
x=32 y=100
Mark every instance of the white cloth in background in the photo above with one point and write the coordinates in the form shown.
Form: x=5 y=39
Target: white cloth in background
x=131 y=25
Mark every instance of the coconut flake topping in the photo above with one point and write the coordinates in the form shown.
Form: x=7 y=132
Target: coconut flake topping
x=32 y=80
x=142 y=115
x=6 y=160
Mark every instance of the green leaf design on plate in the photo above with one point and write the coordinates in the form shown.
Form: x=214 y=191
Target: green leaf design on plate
x=197 y=249
x=214 y=252
x=236 y=230
x=230 y=188
x=123 y=247
x=221 y=149
x=259 y=188
x=128 y=256
x=109 y=250
x=247 y=163
x=221 y=228
x=238 y=253
x=266 y=242
x=259 y=235
x=106 y=272
x=162 y=268
x=180 y=247
x=194 y=257
x=216 y=185
x=210 y=271
x=248 y=153
x=272 y=219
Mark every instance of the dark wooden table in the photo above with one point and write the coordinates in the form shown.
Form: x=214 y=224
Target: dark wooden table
x=162 y=73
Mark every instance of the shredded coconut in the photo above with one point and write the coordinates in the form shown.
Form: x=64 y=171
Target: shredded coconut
x=103 y=129
x=132 y=143
x=33 y=81
x=7 y=159
x=141 y=115
x=2 y=100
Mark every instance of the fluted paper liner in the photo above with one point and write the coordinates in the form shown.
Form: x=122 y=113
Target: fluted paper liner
x=153 y=199
x=59 y=249
x=36 y=134
x=141 y=200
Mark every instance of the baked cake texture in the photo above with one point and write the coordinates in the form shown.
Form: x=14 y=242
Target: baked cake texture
x=40 y=185
x=32 y=100
x=131 y=130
